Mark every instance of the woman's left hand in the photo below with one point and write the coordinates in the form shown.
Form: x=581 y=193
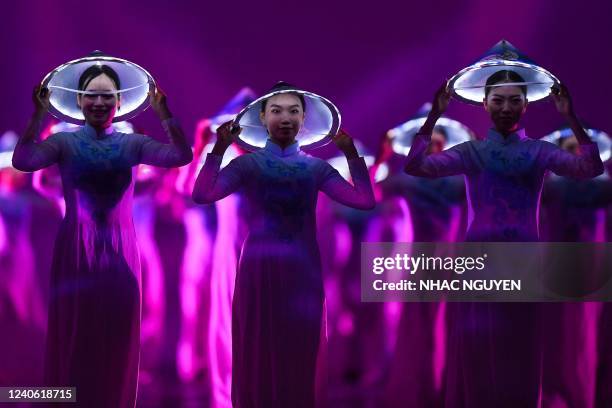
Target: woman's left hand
x=157 y=99
x=563 y=100
x=345 y=143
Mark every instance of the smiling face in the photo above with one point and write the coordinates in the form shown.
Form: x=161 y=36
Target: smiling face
x=283 y=117
x=506 y=105
x=100 y=107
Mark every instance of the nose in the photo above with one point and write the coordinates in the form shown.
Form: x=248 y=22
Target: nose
x=285 y=118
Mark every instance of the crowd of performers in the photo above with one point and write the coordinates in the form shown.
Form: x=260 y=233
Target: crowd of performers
x=235 y=264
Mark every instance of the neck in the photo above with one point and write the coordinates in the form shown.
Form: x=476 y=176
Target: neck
x=507 y=132
x=283 y=144
x=100 y=129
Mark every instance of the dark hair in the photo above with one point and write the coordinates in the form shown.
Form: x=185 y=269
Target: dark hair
x=95 y=71
x=504 y=76
x=281 y=86
x=441 y=130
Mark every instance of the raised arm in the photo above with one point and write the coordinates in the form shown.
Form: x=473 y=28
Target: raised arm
x=446 y=163
x=586 y=165
x=30 y=155
x=357 y=195
x=212 y=184
x=177 y=152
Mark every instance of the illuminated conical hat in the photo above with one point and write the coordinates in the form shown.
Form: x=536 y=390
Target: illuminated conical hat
x=229 y=111
x=341 y=164
x=468 y=85
x=63 y=82
x=402 y=136
x=604 y=144
x=8 y=141
x=322 y=120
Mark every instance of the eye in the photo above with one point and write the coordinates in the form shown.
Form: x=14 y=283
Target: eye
x=295 y=111
x=275 y=110
x=108 y=97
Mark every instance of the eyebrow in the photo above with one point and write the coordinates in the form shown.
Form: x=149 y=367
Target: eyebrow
x=506 y=96
x=279 y=106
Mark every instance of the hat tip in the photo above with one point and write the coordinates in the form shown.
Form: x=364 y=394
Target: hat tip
x=96 y=53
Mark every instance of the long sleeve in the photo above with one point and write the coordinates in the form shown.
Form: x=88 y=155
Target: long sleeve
x=176 y=153
x=586 y=165
x=358 y=196
x=212 y=184
x=446 y=163
x=30 y=155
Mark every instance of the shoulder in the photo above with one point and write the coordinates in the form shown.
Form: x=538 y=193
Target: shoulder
x=61 y=138
x=543 y=145
x=468 y=145
x=313 y=161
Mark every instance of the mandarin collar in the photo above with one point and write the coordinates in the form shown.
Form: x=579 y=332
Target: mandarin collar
x=93 y=133
x=275 y=149
x=517 y=136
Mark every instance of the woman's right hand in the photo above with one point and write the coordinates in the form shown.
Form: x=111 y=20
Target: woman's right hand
x=226 y=134
x=41 y=97
x=441 y=99
x=438 y=107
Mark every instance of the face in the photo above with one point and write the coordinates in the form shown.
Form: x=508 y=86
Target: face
x=99 y=109
x=570 y=144
x=506 y=105
x=283 y=117
x=437 y=142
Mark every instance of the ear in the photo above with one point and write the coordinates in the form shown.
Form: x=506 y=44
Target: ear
x=485 y=104
x=79 y=101
x=262 y=118
x=525 y=107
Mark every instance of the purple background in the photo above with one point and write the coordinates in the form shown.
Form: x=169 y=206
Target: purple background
x=378 y=61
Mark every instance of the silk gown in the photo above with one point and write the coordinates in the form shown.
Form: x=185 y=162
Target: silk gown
x=278 y=303
x=495 y=349
x=93 y=335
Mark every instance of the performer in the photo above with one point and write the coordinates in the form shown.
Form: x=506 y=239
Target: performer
x=504 y=175
x=438 y=215
x=574 y=211
x=278 y=298
x=94 y=311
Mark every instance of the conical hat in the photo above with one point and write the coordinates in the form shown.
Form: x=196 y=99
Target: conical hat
x=8 y=141
x=322 y=121
x=468 y=85
x=63 y=82
x=604 y=144
x=402 y=136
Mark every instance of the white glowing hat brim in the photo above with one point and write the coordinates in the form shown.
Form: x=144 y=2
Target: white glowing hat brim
x=469 y=84
x=339 y=163
x=402 y=136
x=6 y=160
x=604 y=143
x=230 y=154
x=63 y=84
x=322 y=122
